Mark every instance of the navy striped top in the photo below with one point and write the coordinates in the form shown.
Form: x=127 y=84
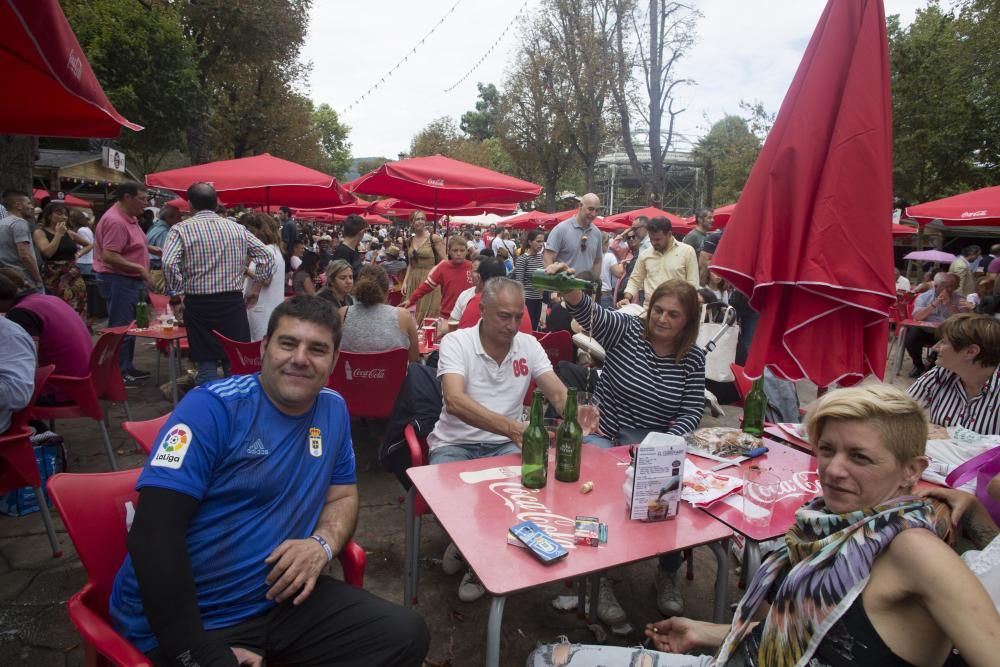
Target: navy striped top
x=523 y=268
x=638 y=388
x=942 y=393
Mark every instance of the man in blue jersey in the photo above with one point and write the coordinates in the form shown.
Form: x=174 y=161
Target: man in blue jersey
x=249 y=494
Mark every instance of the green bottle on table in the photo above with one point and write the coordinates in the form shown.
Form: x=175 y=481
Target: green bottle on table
x=535 y=448
x=561 y=282
x=569 y=440
x=754 y=408
x=142 y=312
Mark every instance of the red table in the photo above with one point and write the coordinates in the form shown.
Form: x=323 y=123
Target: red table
x=477 y=501
x=784 y=436
x=799 y=484
x=173 y=339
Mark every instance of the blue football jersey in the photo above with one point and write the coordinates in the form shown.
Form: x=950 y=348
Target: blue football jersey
x=261 y=477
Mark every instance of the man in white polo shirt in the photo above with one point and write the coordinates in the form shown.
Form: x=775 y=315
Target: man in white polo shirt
x=485 y=372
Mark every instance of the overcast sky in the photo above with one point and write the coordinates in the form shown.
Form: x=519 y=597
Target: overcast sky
x=748 y=49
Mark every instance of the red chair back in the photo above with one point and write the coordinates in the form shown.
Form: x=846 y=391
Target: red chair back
x=244 y=358
x=104 y=370
x=558 y=346
x=370 y=382
x=159 y=302
x=394 y=298
x=95 y=508
x=418 y=457
x=18 y=466
x=144 y=433
x=743 y=385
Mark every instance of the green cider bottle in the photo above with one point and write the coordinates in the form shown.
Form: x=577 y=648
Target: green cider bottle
x=535 y=448
x=754 y=408
x=142 y=311
x=569 y=441
x=561 y=282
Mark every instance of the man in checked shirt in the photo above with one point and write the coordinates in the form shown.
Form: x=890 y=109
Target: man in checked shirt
x=205 y=260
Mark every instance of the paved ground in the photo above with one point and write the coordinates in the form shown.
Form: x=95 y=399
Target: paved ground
x=34 y=587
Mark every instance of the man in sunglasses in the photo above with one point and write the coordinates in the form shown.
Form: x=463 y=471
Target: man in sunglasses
x=577 y=241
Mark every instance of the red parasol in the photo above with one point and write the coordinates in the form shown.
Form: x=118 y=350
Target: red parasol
x=532 y=220
x=41 y=58
x=370 y=218
x=902 y=231
x=979 y=208
x=403 y=209
x=439 y=182
x=180 y=204
x=69 y=200
x=604 y=224
x=628 y=217
x=258 y=180
x=808 y=242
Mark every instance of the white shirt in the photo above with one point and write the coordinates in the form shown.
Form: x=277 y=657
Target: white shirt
x=607 y=280
x=88 y=236
x=500 y=243
x=460 y=304
x=497 y=387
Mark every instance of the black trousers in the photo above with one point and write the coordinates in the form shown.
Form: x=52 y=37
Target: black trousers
x=916 y=339
x=338 y=624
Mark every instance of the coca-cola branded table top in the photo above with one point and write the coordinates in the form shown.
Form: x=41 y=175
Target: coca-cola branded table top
x=478 y=501
x=799 y=483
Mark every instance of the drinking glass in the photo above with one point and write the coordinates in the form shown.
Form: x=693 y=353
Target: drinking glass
x=588 y=412
x=760 y=494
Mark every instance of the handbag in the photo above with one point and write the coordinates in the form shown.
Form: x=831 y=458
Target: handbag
x=984 y=468
x=719 y=340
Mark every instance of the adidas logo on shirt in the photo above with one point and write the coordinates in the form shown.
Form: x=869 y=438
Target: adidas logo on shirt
x=257 y=448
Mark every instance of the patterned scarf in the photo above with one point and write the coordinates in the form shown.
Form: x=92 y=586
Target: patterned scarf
x=827 y=559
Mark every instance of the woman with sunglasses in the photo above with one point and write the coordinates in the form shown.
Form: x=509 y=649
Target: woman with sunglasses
x=426 y=249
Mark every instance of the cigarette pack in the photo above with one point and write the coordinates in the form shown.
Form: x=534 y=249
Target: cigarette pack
x=590 y=531
x=544 y=547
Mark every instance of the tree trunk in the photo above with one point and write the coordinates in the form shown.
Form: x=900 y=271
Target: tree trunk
x=197 y=139
x=17 y=155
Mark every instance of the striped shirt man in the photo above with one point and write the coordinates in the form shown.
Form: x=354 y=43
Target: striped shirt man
x=639 y=389
x=942 y=393
x=207 y=254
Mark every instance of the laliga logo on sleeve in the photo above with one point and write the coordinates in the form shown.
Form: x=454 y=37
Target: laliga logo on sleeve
x=315 y=442
x=173 y=448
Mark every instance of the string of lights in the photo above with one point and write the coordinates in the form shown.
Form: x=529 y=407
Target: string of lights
x=405 y=58
x=488 y=51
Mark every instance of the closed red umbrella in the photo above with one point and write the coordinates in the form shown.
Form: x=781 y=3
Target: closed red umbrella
x=258 y=180
x=59 y=96
x=441 y=183
x=979 y=207
x=809 y=242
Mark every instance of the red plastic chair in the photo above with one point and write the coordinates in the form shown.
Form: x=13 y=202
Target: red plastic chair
x=86 y=392
x=18 y=466
x=416 y=507
x=558 y=345
x=244 y=358
x=144 y=433
x=394 y=298
x=95 y=509
x=370 y=382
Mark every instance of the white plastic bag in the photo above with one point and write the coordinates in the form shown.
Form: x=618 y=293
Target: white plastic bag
x=719 y=340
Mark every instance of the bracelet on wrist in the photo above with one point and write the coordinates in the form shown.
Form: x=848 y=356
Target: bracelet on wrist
x=326 y=547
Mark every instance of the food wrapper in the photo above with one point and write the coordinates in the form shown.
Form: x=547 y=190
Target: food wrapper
x=704 y=487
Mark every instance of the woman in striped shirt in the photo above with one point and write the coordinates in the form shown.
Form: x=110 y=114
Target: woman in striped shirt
x=653 y=380
x=963 y=389
x=529 y=261
x=654 y=374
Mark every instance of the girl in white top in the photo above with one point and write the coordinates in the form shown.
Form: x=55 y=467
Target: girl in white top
x=272 y=294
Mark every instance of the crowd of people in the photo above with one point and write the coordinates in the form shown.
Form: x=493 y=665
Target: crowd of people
x=231 y=536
